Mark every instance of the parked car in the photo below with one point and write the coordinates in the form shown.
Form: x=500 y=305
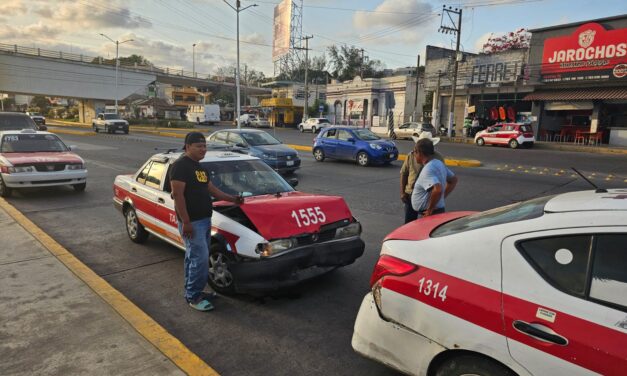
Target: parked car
x=410 y=129
x=277 y=238
x=203 y=113
x=313 y=124
x=29 y=158
x=508 y=134
x=110 y=123
x=10 y=121
x=252 y=120
x=534 y=288
x=38 y=118
x=260 y=144
x=357 y=144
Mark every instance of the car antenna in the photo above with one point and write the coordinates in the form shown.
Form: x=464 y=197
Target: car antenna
x=597 y=189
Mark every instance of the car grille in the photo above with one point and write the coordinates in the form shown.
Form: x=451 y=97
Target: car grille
x=327 y=232
x=49 y=167
x=389 y=148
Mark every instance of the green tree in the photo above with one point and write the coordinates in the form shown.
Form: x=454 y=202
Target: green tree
x=41 y=103
x=8 y=104
x=346 y=61
x=124 y=60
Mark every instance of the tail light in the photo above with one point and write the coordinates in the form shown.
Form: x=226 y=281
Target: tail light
x=389 y=265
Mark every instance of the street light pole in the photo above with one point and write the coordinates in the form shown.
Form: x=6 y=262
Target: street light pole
x=238 y=8
x=117 y=64
x=194 y=60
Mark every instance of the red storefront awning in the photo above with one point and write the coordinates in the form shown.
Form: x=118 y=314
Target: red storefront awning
x=578 y=94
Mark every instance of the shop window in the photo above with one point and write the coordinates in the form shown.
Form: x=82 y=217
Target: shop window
x=609 y=271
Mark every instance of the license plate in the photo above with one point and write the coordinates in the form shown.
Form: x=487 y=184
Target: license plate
x=290 y=163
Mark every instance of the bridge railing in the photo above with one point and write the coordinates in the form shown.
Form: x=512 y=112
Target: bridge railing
x=32 y=51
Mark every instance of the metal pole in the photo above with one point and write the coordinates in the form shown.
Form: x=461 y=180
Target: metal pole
x=417 y=82
x=117 y=63
x=306 y=105
x=194 y=60
x=239 y=125
x=451 y=115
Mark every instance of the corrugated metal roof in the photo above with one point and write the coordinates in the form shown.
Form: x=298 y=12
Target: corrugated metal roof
x=578 y=94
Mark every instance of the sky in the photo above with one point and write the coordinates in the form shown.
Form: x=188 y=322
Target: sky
x=163 y=31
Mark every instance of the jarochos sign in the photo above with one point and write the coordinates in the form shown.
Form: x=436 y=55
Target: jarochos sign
x=591 y=52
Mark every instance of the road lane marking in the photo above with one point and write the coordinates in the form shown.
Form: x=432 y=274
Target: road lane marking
x=170 y=346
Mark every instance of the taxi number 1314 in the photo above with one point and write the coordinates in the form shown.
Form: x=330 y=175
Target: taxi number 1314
x=427 y=287
x=307 y=216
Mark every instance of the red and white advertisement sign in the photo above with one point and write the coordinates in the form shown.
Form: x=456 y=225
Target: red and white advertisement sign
x=591 y=52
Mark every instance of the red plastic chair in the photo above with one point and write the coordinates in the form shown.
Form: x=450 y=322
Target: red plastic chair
x=580 y=136
x=596 y=138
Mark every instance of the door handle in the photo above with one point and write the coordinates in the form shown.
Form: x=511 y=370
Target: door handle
x=161 y=200
x=133 y=189
x=540 y=332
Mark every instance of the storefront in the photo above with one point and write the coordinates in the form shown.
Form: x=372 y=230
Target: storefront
x=580 y=74
x=281 y=112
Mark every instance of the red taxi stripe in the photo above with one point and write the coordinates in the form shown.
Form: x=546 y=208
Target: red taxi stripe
x=422 y=228
x=591 y=345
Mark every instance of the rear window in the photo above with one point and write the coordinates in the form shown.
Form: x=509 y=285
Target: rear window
x=323 y=121
x=525 y=128
x=11 y=122
x=511 y=213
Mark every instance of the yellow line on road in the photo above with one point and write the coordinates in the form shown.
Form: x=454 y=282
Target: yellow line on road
x=69 y=131
x=171 y=347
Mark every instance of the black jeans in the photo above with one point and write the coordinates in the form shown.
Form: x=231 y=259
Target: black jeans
x=412 y=215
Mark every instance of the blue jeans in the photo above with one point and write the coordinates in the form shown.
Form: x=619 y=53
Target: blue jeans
x=196 y=257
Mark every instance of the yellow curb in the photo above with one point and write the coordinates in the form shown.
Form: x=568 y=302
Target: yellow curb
x=299 y=147
x=171 y=347
x=68 y=131
x=61 y=123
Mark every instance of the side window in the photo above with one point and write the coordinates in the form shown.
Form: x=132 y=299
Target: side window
x=155 y=175
x=609 y=270
x=343 y=135
x=141 y=178
x=220 y=137
x=562 y=261
x=330 y=133
x=235 y=139
x=510 y=128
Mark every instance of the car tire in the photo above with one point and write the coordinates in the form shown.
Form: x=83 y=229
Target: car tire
x=4 y=190
x=318 y=154
x=79 y=187
x=136 y=232
x=301 y=129
x=472 y=365
x=106 y=129
x=480 y=141
x=363 y=159
x=95 y=128
x=513 y=143
x=313 y=129
x=220 y=277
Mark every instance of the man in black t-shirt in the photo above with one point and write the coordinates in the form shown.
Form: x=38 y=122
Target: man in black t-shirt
x=192 y=191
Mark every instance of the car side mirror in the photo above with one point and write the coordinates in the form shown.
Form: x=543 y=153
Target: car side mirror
x=350 y=139
x=293 y=182
x=42 y=128
x=73 y=147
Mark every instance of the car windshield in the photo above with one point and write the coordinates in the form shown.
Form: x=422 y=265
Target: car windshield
x=323 y=121
x=248 y=178
x=31 y=143
x=506 y=214
x=365 y=134
x=260 y=138
x=10 y=122
x=111 y=116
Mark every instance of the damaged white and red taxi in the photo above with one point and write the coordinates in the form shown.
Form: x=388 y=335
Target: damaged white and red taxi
x=277 y=238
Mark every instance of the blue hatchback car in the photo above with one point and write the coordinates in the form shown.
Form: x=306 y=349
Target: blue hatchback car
x=357 y=144
x=260 y=144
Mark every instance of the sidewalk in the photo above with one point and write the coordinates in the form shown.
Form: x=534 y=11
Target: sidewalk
x=59 y=317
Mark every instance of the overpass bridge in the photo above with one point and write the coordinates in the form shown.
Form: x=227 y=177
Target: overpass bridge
x=35 y=71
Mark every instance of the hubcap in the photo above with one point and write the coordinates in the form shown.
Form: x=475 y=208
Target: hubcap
x=219 y=271
x=363 y=159
x=131 y=223
x=318 y=154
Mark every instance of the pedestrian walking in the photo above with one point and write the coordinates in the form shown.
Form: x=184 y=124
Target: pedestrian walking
x=192 y=191
x=409 y=173
x=435 y=181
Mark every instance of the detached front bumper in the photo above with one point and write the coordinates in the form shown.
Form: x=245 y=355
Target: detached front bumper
x=299 y=265
x=44 y=179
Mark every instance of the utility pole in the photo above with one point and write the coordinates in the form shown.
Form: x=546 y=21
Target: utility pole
x=194 y=60
x=417 y=86
x=435 y=109
x=306 y=105
x=238 y=8
x=117 y=65
x=455 y=29
x=245 y=83
x=361 y=63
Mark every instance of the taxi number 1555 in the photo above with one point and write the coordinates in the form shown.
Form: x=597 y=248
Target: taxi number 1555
x=427 y=287
x=307 y=216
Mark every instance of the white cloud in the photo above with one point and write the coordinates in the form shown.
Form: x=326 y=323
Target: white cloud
x=12 y=8
x=36 y=31
x=80 y=16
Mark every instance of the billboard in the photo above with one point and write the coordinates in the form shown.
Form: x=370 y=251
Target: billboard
x=282 y=28
x=590 y=53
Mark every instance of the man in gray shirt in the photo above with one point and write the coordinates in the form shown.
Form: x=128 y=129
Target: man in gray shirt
x=434 y=183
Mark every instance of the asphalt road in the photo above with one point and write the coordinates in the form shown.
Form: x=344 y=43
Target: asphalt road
x=306 y=331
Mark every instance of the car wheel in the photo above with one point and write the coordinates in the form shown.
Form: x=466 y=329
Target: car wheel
x=95 y=128
x=513 y=143
x=220 y=277
x=472 y=365
x=106 y=129
x=393 y=136
x=301 y=129
x=318 y=154
x=79 y=187
x=363 y=159
x=134 y=229
x=313 y=129
x=480 y=141
x=4 y=190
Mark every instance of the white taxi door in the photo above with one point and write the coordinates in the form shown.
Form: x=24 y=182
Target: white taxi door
x=565 y=301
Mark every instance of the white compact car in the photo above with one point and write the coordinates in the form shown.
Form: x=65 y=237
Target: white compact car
x=534 y=288
x=313 y=125
x=29 y=158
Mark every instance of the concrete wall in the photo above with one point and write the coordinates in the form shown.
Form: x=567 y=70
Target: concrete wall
x=51 y=77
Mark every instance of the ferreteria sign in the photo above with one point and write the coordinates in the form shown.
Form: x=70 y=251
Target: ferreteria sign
x=590 y=53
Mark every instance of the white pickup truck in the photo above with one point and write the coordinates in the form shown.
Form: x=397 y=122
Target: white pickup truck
x=110 y=123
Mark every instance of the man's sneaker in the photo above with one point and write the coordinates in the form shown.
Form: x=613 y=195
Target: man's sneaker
x=201 y=304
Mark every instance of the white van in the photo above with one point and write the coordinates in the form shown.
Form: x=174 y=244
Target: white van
x=203 y=113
